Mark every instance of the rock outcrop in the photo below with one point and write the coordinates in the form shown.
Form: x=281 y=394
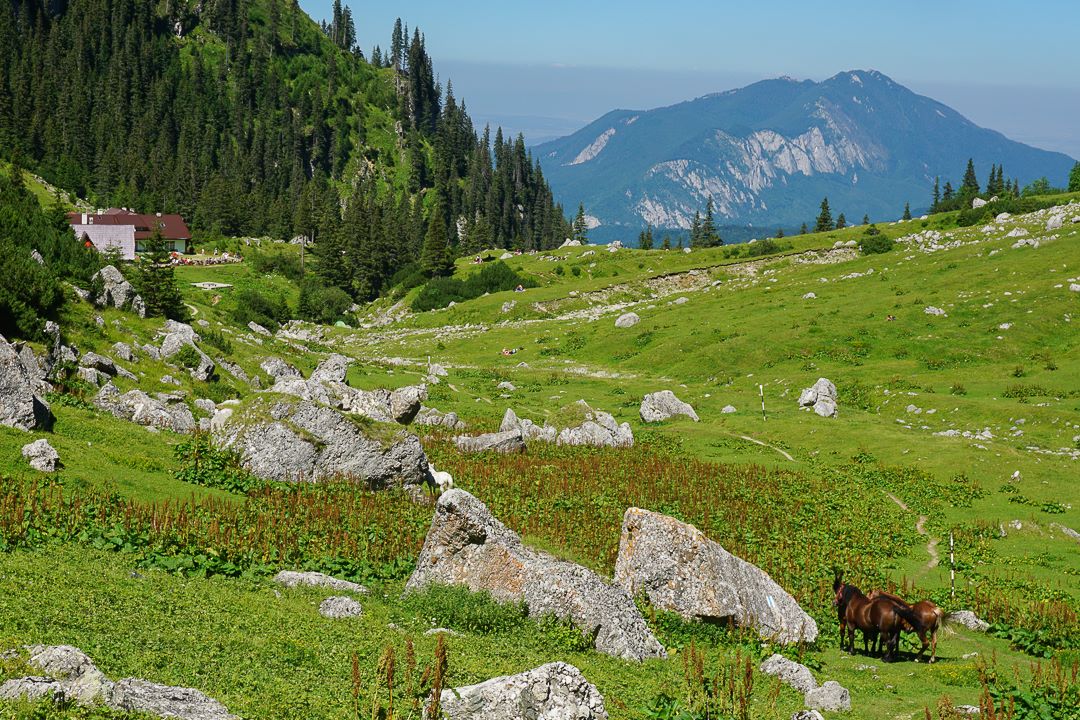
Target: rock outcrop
x=177 y=336
x=664 y=405
x=599 y=429
x=293 y=578
x=165 y=412
x=500 y=442
x=42 y=456
x=821 y=397
x=433 y=417
x=115 y=291
x=556 y=691
x=20 y=406
x=681 y=570
x=467 y=546
x=530 y=431
x=300 y=441
x=134 y=695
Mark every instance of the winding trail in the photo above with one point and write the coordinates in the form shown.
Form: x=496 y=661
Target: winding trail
x=920 y=527
x=765 y=444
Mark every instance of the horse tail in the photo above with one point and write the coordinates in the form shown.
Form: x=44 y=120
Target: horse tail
x=945 y=621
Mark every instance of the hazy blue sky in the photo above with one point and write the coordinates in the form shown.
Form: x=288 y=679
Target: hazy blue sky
x=548 y=68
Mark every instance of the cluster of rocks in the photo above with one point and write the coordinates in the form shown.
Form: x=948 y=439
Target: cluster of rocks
x=42 y=456
x=336 y=607
x=467 y=546
x=299 y=440
x=664 y=405
x=435 y=418
x=70 y=676
x=175 y=337
x=597 y=429
x=162 y=411
x=328 y=386
x=831 y=696
x=821 y=397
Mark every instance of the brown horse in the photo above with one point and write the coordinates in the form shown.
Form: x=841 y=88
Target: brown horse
x=932 y=616
x=877 y=618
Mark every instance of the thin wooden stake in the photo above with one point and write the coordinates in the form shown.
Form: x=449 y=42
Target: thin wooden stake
x=952 y=569
x=761 y=392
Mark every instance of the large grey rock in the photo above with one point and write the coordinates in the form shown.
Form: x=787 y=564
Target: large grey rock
x=530 y=431
x=599 y=429
x=406 y=402
x=969 y=620
x=134 y=695
x=138 y=407
x=821 y=397
x=179 y=335
x=467 y=546
x=664 y=405
x=32 y=688
x=277 y=368
x=259 y=329
x=123 y=351
x=80 y=678
x=98 y=362
x=20 y=406
x=1055 y=223
x=332 y=369
x=977 y=203
x=294 y=578
x=789 y=672
x=556 y=691
x=500 y=442
x=91 y=376
x=115 y=290
x=433 y=417
x=681 y=570
x=339 y=607
x=807 y=715
x=301 y=441
x=832 y=696
x=627 y=320
x=42 y=456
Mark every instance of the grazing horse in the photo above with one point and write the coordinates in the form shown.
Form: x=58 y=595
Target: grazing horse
x=932 y=616
x=878 y=617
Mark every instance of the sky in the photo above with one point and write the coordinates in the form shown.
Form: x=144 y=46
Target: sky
x=549 y=68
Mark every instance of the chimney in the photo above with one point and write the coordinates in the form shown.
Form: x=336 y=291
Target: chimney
x=84 y=218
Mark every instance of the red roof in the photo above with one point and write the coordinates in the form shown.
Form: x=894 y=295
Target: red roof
x=172 y=227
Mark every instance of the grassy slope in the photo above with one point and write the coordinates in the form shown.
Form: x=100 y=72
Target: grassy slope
x=274 y=657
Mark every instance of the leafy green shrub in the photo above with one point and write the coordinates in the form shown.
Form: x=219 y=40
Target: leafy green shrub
x=202 y=463
x=458 y=608
x=321 y=303
x=768 y=246
x=564 y=635
x=876 y=245
x=957 y=389
x=408 y=277
x=560 y=270
x=492 y=278
x=188 y=357
x=268 y=263
x=217 y=339
x=576 y=270
x=270 y=311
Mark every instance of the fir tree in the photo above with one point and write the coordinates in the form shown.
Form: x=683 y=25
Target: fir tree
x=907 y=212
x=1074 y=178
x=937 y=196
x=709 y=236
x=779 y=233
x=865 y=219
x=841 y=222
x=947 y=192
x=581 y=225
x=397 y=45
x=435 y=257
x=666 y=244
x=695 y=230
x=645 y=239
x=824 y=219
x=803 y=230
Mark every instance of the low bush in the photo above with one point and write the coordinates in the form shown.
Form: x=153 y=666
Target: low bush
x=280 y=263
x=492 y=278
x=270 y=311
x=321 y=303
x=202 y=463
x=876 y=245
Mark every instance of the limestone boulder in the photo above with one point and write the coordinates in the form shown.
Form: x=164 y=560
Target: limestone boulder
x=164 y=412
x=789 y=672
x=556 y=691
x=177 y=336
x=820 y=397
x=831 y=697
x=969 y=620
x=530 y=431
x=340 y=607
x=295 y=441
x=42 y=456
x=114 y=290
x=433 y=417
x=501 y=442
x=294 y=578
x=20 y=405
x=467 y=546
x=135 y=695
x=681 y=570
x=277 y=368
x=664 y=405
x=627 y=320
x=598 y=429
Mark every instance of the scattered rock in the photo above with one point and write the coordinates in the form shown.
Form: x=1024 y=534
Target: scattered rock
x=467 y=546
x=556 y=691
x=92 y=376
x=821 y=397
x=32 y=689
x=431 y=416
x=134 y=695
x=277 y=368
x=179 y=335
x=506 y=386
x=807 y=715
x=967 y=710
x=42 y=456
x=138 y=407
x=406 y=402
x=530 y=431
x=259 y=329
x=931 y=310
x=679 y=569
x=80 y=679
x=20 y=406
x=115 y=290
x=681 y=301
x=124 y=352
x=832 y=696
x=508 y=306
x=293 y=578
x=977 y=203
x=98 y=362
x=664 y=405
x=339 y=607
x=304 y=442
x=500 y=442
x=969 y=620
x=790 y=673
x=809 y=296
x=728 y=409
x=627 y=320
x=599 y=429
x=1074 y=287
x=1055 y=223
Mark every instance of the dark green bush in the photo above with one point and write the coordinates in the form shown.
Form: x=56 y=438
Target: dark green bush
x=188 y=357
x=217 y=339
x=767 y=246
x=494 y=277
x=320 y=303
x=267 y=310
x=286 y=265
x=876 y=245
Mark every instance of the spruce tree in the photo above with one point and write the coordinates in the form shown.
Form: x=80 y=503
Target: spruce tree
x=695 y=230
x=824 y=220
x=865 y=219
x=841 y=222
x=157 y=283
x=435 y=257
x=937 y=195
x=779 y=233
x=645 y=239
x=970 y=186
x=803 y=230
x=1074 y=178
x=947 y=192
x=397 y=45
x=581 y=225
x=907 y=211
x=666 y=244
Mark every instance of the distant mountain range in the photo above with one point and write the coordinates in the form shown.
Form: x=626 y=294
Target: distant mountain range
x=768 y=153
